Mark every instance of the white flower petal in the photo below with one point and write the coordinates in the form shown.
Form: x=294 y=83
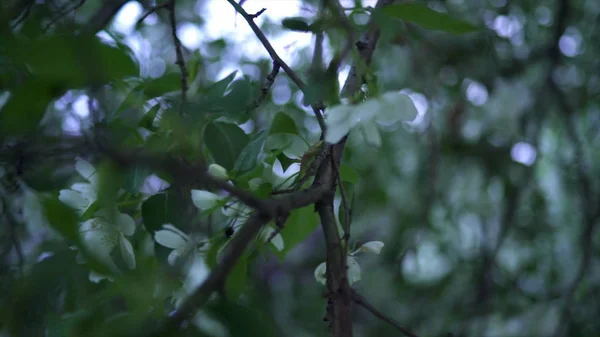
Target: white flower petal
x=174 y=256
x=204 y=200
x=370 y=247
x=396 y=107
x=85 y=169
x=353 y=270
x=73 y=199
x=320 y=273
x=86 y=190
x=101 y=242
x=127 y=252
x=372 y=134
x=125 y=223
x=95 y=277
x=236 y=210
x=276 y=241
x=171 y=239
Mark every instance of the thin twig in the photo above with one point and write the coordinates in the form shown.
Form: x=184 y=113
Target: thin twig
x=269 y=81
x=275 y=57
x=178 y=51
x=336 y=62
x=152 y=10
x=24 y=15
x=257 y=14
x=345 y=203
x=358 y=299
x=63 y=14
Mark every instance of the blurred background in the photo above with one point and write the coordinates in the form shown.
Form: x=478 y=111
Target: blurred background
x=487 y=203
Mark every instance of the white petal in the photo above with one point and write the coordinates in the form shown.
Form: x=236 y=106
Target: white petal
x=236 y=210
x=353 y=270
x=73 y=199
x=95 y=277
x=370 y=247
x=372 y=134
x=101 y=242
x=85 y=169
x=218 y=171
x=88 y=191
x=80 y=258
x=173 y=257
x=170 y=227
x=396 y=107
x=127 y=252
x=276 y=241
x=320 y=273
x=204 y=199
x=170 y=239
x=125 y=223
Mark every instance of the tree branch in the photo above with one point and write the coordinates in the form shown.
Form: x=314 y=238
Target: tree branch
x=103 y=15
x=233 y=252
x=178 y=52
x=340 y=293
x=358 y=299
x=269 y=81
x=275 y=57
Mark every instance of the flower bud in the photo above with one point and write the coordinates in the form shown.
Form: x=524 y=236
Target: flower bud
x=218 y=171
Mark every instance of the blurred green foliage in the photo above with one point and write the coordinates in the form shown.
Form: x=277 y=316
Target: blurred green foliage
x=487 y=202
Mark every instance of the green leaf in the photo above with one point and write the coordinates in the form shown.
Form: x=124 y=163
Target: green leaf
x=148 y=120
x=110 y=179
x=130 y=110
x=237 y=279
x=24 y=109
x=217 y=89
x=428 y=18
x=301 y=223
x=134 y=178
x=285 y=161
x=62 y=218
x=169 y=82
x=225 y=142
x=348 y=174
x=216 y=243
x=236 y=102
x=249 y=156
x=73 y=60
x=283 y=123
x=161 y=209
x=89 y=212
x=297 y=24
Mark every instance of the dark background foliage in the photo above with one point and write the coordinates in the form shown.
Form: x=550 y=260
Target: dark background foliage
x=487 y=203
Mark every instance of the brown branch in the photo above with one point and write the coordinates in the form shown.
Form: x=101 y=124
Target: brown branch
x=257 y=14
x=233 y=252
x=588 y=203
x=340 y=293
x=63 y=14
x=269 y=81
x=178 y=52
x=337 y=60
x=180 y=61
x=358 y=299
x=153 y=9
x=188 y=174
x=103 y=15
x=275 y=57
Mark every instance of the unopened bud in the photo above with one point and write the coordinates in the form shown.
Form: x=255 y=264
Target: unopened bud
x=218 y=171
